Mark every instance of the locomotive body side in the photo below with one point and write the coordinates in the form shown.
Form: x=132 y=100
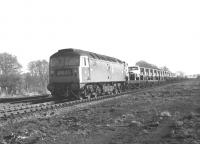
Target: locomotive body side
x=102 y=76
x=104 y=71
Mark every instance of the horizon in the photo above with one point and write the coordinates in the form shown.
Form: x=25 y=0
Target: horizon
x=25 y=69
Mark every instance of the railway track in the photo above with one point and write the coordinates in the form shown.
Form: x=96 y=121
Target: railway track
x=16 y=103
x=22 y=99
x=21 y=109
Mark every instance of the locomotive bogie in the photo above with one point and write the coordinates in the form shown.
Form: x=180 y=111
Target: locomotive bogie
x=89 y=90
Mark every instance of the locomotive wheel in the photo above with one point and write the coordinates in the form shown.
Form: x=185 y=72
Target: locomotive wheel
x=88 y=96
x=85 y=95
x=115 y=91
x=95 y=95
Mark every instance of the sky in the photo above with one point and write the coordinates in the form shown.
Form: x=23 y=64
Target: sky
x=161 y=32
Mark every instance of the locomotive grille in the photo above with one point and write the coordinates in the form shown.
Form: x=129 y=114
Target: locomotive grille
x=65 y=72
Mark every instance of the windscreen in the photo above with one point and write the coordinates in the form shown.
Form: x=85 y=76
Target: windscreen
x=64 y=61
x=133 y=68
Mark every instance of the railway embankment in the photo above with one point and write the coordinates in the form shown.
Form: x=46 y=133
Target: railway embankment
x=169 y=114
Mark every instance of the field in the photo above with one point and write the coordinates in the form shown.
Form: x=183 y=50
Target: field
x=164 y=115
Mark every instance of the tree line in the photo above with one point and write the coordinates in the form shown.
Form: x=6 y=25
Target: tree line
x=145 y=64
x=13 y=81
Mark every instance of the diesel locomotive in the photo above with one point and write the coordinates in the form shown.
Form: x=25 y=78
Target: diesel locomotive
x=82 y=74
x=79 y=74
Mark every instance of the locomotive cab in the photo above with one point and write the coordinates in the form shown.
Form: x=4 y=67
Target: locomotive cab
x=64 y=73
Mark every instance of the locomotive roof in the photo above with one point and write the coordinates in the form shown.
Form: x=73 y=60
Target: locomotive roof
x=72 y=51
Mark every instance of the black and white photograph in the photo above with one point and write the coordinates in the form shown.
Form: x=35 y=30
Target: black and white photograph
x=99 y=72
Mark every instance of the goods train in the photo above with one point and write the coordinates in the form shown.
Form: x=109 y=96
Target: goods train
x=79 y=74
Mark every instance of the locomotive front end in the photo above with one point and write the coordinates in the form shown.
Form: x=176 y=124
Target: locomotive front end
x=63 y=74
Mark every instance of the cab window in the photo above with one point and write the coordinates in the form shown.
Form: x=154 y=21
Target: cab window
x=64 y=61
x=84 y=61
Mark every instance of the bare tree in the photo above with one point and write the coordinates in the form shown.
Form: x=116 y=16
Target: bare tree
x=39 y=74
x=9 y=73
x=165 y=68
x=145 y=64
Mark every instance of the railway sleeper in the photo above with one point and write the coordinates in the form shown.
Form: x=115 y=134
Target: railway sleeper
x=21 y=111
x=7 y=114
x=27 y=110
x=33 y=109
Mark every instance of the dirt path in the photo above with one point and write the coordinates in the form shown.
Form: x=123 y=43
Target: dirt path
x=160 y=116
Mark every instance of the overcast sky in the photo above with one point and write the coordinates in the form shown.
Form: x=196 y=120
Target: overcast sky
x=161 y=32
